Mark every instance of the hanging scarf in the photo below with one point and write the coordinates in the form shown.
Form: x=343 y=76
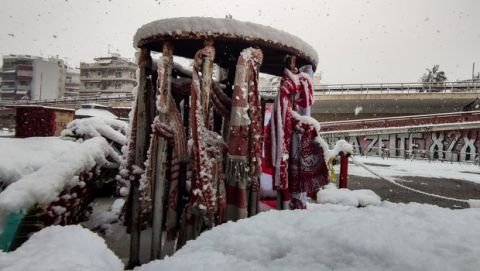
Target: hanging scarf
x=207 y=171
x=243 y=166
x=308 y=168
x=302 y=147
x=203 y=196
x=298 y=161
x=281 y=130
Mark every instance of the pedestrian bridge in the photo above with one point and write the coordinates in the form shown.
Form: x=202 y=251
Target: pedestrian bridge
x=341 y=101
x=359 y=105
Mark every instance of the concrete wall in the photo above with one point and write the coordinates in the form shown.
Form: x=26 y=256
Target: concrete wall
x=359 y=106
x=452 y=142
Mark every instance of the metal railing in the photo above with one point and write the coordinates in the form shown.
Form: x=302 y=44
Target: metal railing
x=72 y=100
x=364 y=88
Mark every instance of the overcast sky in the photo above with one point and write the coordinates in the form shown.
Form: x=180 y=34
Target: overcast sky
x=356 y=40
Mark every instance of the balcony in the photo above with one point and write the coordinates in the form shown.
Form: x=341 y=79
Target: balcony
x=9 y=78
x=25 y=73
x=111 y=78
x=22 y=92
x=95 y=66
x=23 y=88
x=72 y=85
x=7 y=90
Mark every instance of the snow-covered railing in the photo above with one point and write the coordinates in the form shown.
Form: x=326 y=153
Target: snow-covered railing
x=72 y=100
x=360 y=88
x=391 y=88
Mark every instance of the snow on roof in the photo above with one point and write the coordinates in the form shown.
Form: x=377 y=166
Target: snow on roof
x=44 y=185
x=230 y=28
x=59 y=248
x=94 y=105
x=332 y=237
x=22 y=156
x=95 y=112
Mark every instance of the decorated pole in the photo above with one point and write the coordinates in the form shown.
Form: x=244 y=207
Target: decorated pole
x=343 y=170
x=141 y=146
x=159 y=156
x=182 y=182
x=207 y=70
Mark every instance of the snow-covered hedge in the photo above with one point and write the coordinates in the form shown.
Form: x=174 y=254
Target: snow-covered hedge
x=112 y=129
x=22 y=156
x=44 y=185
x=58 y=248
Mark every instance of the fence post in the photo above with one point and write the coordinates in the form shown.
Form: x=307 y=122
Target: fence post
x=343 y=183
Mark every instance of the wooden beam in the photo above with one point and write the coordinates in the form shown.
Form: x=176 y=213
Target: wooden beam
x=141 y=146
x=159 y=156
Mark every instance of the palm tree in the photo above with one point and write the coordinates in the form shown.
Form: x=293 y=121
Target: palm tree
x=476 y=78
x=433 y=77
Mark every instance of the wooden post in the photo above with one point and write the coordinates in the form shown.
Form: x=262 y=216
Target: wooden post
x=290 y=63
x=229 y=92
x=159 y=157
x=343 y=183
x=141 y=146
x=182 y=178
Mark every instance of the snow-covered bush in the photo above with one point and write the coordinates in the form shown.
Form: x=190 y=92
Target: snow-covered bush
x=113 y=130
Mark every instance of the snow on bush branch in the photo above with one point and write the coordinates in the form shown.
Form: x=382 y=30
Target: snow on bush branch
x=111 y=129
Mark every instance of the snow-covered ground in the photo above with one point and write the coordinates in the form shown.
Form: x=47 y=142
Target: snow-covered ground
x=103 y=221
x=387 y=236
x=333 y=237
x=398 y=167
x=4 y=132
x=355 y=198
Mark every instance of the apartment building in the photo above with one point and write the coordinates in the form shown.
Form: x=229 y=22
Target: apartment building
x=72 y=82
x=112 y=75
x=32 y=77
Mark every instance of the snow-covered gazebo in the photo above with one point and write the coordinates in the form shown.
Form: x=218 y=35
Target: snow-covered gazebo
x=197 y=136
